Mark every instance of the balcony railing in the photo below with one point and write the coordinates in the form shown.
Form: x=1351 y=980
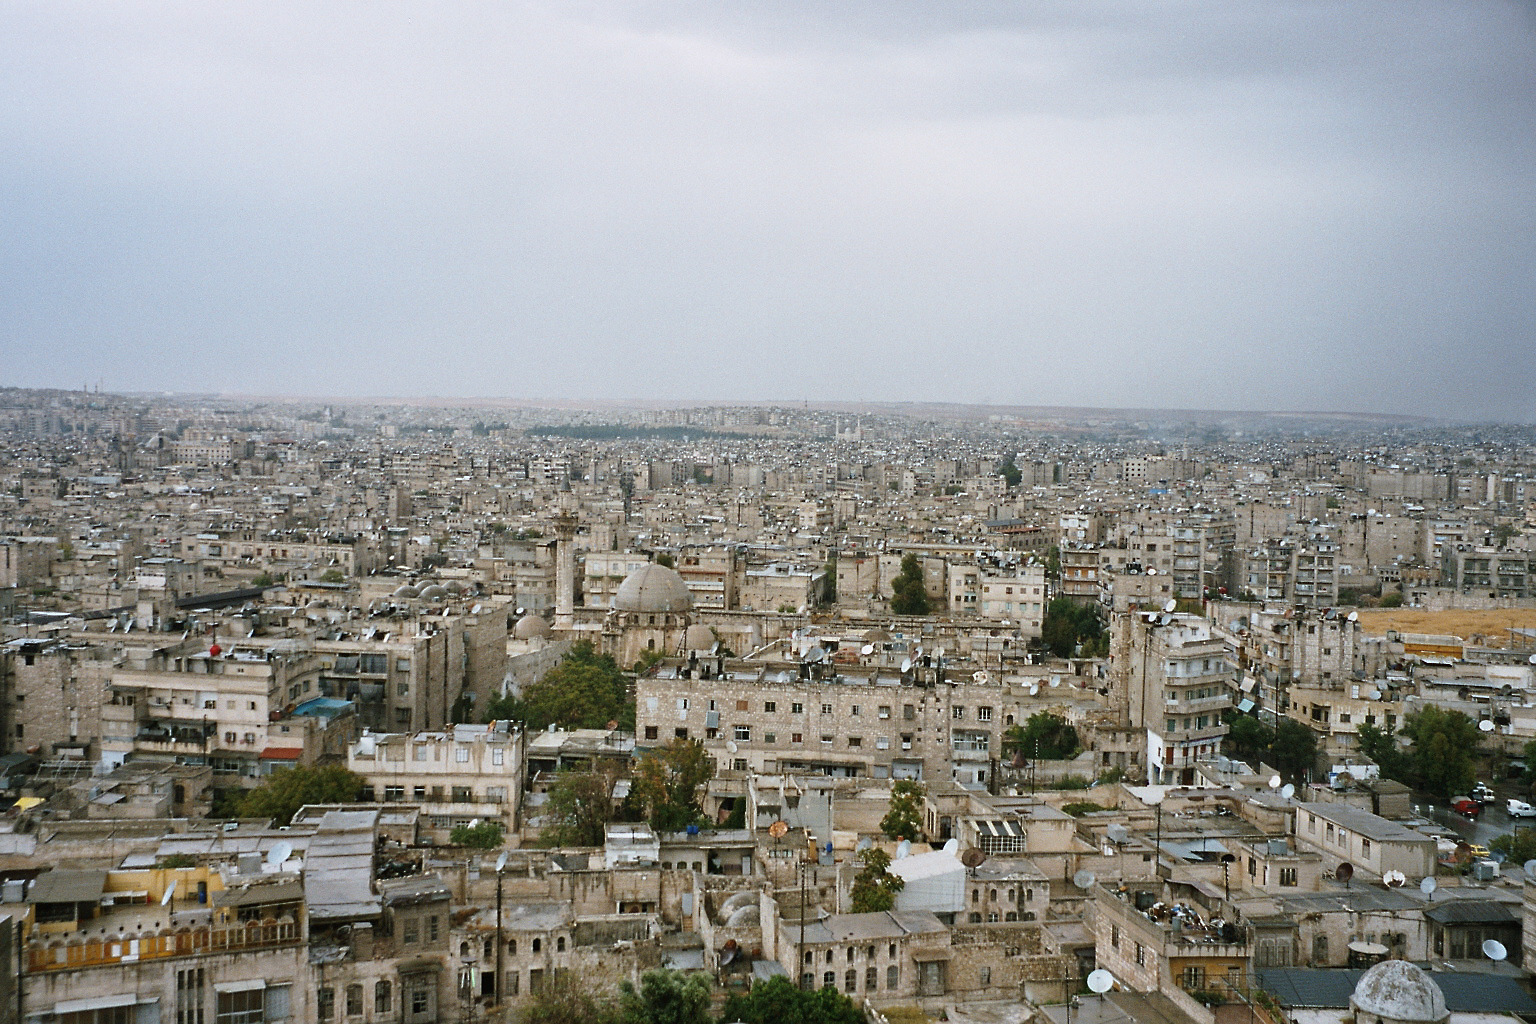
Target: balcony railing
x=66 y=954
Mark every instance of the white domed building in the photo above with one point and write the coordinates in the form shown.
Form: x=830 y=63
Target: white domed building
x=1397 y=992
x=652 y=610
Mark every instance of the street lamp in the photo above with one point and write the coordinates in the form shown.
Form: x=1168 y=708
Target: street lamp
x=501 y=864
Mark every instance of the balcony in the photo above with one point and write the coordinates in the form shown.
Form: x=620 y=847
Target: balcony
x=76 y=951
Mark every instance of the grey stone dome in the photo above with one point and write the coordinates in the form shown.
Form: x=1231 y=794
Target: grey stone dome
x=434 y=592
x=699 y=637
x=653 y=588
x=1396 y=990
x=530 y=626
x=405 y=591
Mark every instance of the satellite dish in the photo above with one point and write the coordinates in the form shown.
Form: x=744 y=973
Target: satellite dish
x=1344 y=872
x=1034 y=689
x=501 y=862
x=1287 y=791
x=939 y=652
x=1084 y=879
x=778 y=829
x=1151 y=572
x=1429 y=885
x=730 y=745
x=1394 y=879
x=1100 y=981
x=1274 y=782
x=952 y=847
x=867 y=650
x=1373 y=694
x=979 y=676
x=279 y=854
x=1486 y=725
x=863 y=844
x=1055 y=680
x=1529 y=867
x=903 y=848
x=1493 y=949
x=170 y=893
x=1354 y=616
x=973 y=857
x=1532 y=659
x=1170 y=606
x=906 y=665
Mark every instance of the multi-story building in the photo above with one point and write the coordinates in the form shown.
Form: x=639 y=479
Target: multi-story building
x=472 y=773
x=1174 y=677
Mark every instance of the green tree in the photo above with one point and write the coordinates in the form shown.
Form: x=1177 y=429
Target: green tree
x=566 y=999
x=666 y=997
x=1381 y=747
x=907 y=594
x=1046 y=736
x=264 y=579
x=904 y=818
x=778 y=1001
x=585 y=691
x=1443 y=744
x=288 y=789
x=1247 y=738
x=1392 y=599
x=333 y=576
x=668 y=784
x=485 y=836
x=1293 y=751
x=1068 y=624
x=829 y=588
x=874 y=887
x=1010 y=472
x=1517 y=847
x=666 y=560
x=578 y=808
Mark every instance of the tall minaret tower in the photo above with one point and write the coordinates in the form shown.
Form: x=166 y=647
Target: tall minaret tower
x=565 y=558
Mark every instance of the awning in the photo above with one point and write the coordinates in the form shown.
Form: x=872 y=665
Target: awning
x=65 y=886
x=1245 y=705
x=101 y=1002
x=249 y=985
x=252 y=895
x=26 y=803
x=282 y=753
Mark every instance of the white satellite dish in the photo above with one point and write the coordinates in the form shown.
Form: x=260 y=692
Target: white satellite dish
x=501 y=862
x=1055 y=680
x=1353 y=616
x=1170 y=606
x=1034 y=689
x=867 y=650
x=1532 y=659
x=1151 y=572
x=279 y=854
x=170 y=893
x=938 y=652
x=730 y=745
x=1287 y=791
x=1394 y=879
x=906 y=664
x=1084 y=879
x=952 y=847
x=863 y=844
x=1274 y=782
x=1100 y=981
x=1493 y=949
x=903 y=848
x=1373 y=694
x=1429 y=885
x=979 y=676
x=1486 y=725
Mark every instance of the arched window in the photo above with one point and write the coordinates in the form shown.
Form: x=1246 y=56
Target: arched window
x=560 y=944
x=871 y=978
x=381 y=997
x=850 y=954
x=537 y=943
x=512 y=947
x=463 y=949
x=851 y=981
x=829 y=980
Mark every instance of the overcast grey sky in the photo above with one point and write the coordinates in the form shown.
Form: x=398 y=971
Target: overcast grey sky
x=1276 y=204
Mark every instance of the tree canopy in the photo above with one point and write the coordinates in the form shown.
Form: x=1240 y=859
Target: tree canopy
x=288 y=789
x=578 y=809
x=486 y=835
x=1068 y=624
x=904 y=818
x=778 y=1001
x=874 y=887
x=586 y=690
x=1438 y=758
x=1290 y=747
x=908 y=597
x=1046 y=736
x=668 y=784
x=666 y=997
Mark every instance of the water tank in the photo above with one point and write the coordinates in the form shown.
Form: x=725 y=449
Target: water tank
x=1485 y=871
x=15 y=890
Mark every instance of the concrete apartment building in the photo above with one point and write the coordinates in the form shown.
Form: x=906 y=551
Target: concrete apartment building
x=1176 y=676
x=471 y=773
x=1371 y=844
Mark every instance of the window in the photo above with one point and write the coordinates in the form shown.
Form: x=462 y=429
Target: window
x=681 y=734
x=461 y=755
x=829 y=980
x=1114 y=936
x=393 y=793
x=498 y=756
x=739 y=764
x=797 y=708
x=381 y=997
x=189 y=996
x=432 y=928
x=325 y=1002
x=882 y=742
x=354 y=1000
x=770 y=738
x=770 y=706
x=1287 y=876
x=851 y=981
x=538 y=944
x=1193 y=979
x=796 y=737
x=892 y=977
x=743 y=732
x=908 y=712
x=419 y=752
x=826 y=709
x=983 y=714
x=650 y=732
x=1365 y=847
x=871 y=978
x=560 y=944
x=1141 y=955
x=855 y=741
x=958 y=712
x=885 y=711
x=402 y=689
x=858 y=709
x=986 y=975
x=410 y=934
x=421 y=998
x=826 y=738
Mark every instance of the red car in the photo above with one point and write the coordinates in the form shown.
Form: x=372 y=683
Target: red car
x=1466 y=806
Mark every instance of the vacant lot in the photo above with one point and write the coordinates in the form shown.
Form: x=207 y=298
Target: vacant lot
x=1491 y=626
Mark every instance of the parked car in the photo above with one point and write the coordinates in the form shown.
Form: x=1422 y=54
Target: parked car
x=1466 y=806
x=1520 y=809
x=1482 y=792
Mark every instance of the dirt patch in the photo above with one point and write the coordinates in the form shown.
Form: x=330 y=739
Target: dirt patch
x=1487 y=627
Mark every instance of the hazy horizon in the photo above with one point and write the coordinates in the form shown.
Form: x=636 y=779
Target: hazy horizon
x=1243 y=206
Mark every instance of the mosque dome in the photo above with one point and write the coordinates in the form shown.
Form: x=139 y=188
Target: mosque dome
x=405 y=591
x=877 y=636
x=530 y=626
x=699 y=637
x=434 y=592
x=653 y=588
x=1396 y=990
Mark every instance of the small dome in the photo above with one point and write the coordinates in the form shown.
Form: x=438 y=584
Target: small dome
x=1396 y=990
x=699 y=637
x=434 y=592
x=405 y=592
x=653 y=588
x=530 y=626
x=877 y=636
x=454 y=587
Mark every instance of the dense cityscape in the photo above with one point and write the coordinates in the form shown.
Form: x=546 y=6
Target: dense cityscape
x=347 y=710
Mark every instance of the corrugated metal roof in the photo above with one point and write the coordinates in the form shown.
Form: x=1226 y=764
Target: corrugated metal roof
x=68 y=886
x=1332 y=987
